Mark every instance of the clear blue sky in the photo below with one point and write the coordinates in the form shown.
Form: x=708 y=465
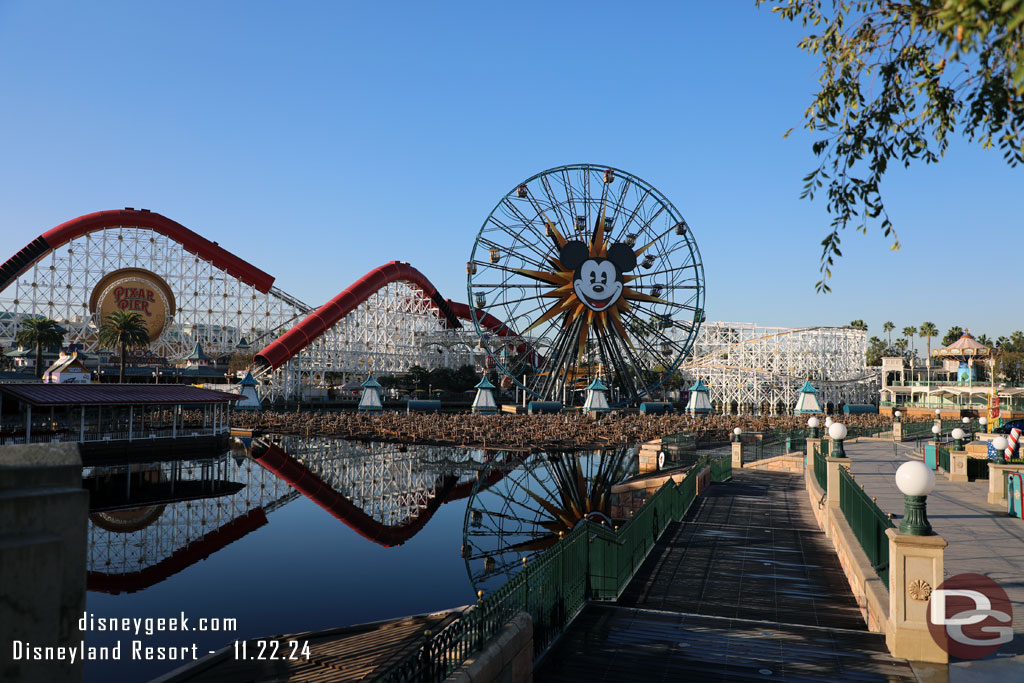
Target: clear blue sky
x=319 y=140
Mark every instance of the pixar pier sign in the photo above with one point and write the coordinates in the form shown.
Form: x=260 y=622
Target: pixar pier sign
x=138 y=290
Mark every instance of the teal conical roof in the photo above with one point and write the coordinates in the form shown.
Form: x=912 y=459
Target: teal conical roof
x=197 y=353
x=597 y=386
x=484 y=384
x=699 y=386
x=808 y=388
x=371 y=382
x=248 y=381
x=242 y=344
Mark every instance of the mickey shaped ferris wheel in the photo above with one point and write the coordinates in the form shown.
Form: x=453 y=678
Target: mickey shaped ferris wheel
x=584 y=272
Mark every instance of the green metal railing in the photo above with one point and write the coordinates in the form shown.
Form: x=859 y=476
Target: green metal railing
x=821 y=468
x=867 y=521
x=721 y=469
x=916 y=429
x=592 y=562
x=944 y=458
x=977 y=468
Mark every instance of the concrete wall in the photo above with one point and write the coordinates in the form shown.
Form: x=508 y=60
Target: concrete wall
x=781 y=463
x=505 y=658
x=43 y=537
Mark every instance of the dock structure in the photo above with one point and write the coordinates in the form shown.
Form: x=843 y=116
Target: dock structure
x=746 y=587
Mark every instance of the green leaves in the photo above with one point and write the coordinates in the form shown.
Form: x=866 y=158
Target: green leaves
x=897 y=80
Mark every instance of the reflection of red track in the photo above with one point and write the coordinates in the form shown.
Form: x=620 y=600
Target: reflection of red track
x=180 y=559
x=192 y=242
x=320 y=492
x=322 y=319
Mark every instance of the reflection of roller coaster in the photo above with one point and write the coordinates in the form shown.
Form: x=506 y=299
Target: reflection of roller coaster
x=760 y=369
x=151 y=521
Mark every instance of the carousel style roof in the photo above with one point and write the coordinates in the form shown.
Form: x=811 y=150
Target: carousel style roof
x=964 y=347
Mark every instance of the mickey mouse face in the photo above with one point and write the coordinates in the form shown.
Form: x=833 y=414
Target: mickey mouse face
x=597 y=281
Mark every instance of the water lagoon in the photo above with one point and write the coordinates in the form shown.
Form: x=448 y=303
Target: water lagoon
x=291 y=534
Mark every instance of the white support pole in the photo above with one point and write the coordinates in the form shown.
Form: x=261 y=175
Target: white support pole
x=131 y=421
x=174 y=422
x=81 y=434
x=28 y=423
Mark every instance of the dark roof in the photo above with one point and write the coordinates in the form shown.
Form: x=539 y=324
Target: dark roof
x=113 y=394
x=197 y=353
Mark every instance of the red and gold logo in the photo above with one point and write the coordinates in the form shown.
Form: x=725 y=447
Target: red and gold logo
x=136 y=290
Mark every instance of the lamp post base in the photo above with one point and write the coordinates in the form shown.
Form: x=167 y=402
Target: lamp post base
x=915 y=517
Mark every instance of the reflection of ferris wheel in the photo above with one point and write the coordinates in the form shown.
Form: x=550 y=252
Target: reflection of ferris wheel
x=586 y=271
x=521 y=508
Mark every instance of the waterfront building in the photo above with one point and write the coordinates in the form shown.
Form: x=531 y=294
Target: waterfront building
x=808 y=400
x=248 y=391
x=68 y=369
x=484 y=401
x=371 y=398
x=699 y=402
x=596 y=401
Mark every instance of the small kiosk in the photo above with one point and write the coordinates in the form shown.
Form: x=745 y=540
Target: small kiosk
x=484 y=401
x=596 y=401
x=371 y=398
x=699 y=402
x=807 y=402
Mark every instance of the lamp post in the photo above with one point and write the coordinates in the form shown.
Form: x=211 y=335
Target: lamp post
x=897 y=415
x=736 y=434
x=982 y=424
x=936 y=430
x=1000 y=443
x=812 y=425
x=967 y=424
x=837 y=431
x=828 y=422
x=915 y=480
x=958 y=439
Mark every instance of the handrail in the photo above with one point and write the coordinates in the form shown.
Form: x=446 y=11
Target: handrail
x=592 y=562
x=867 y=521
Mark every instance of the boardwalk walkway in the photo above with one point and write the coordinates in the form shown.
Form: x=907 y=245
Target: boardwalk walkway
x=745 y=588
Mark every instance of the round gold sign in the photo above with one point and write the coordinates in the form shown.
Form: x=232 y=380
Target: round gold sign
x=136 y=290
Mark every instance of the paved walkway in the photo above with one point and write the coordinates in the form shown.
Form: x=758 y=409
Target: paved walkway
x=982 y=538
x=745 y=588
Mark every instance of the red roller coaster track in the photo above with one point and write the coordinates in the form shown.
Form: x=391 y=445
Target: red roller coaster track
x=277 y=353
x=93 y=222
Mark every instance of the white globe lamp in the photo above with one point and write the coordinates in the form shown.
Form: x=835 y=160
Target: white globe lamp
x=915 y=480
x=837 y=430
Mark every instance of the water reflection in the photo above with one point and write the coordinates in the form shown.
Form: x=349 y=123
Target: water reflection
x=385 y=492
x=529 y=503
x=151 y=521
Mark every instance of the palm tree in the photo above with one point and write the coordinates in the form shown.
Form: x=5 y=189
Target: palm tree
x=888 y=327
x=39 y=332
x=909 y=333
x=928 y=330
x=859 y=325
x=123 y=330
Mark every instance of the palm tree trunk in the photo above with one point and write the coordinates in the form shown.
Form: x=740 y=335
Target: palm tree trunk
x=124 y=352
x=39 y=360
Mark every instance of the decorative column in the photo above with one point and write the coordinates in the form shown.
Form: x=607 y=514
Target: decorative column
x=897 y=426
x=916 y=565
x=737 y=449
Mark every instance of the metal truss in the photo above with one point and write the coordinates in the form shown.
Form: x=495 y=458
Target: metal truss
x=213 y=307
x=753 y=369
x=182 y=523
x=395 y=329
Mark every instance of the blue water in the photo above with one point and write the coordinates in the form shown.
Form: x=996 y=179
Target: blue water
x=303 y=570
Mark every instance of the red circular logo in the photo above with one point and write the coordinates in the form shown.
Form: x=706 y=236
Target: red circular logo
x=970 y=616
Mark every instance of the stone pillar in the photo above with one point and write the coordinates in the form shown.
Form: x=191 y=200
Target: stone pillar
x=647 y=458
x=897 y=431
x=737 y=455
x=832 y=493
x=812 y=444
x=915 y=570
x=957 y=466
